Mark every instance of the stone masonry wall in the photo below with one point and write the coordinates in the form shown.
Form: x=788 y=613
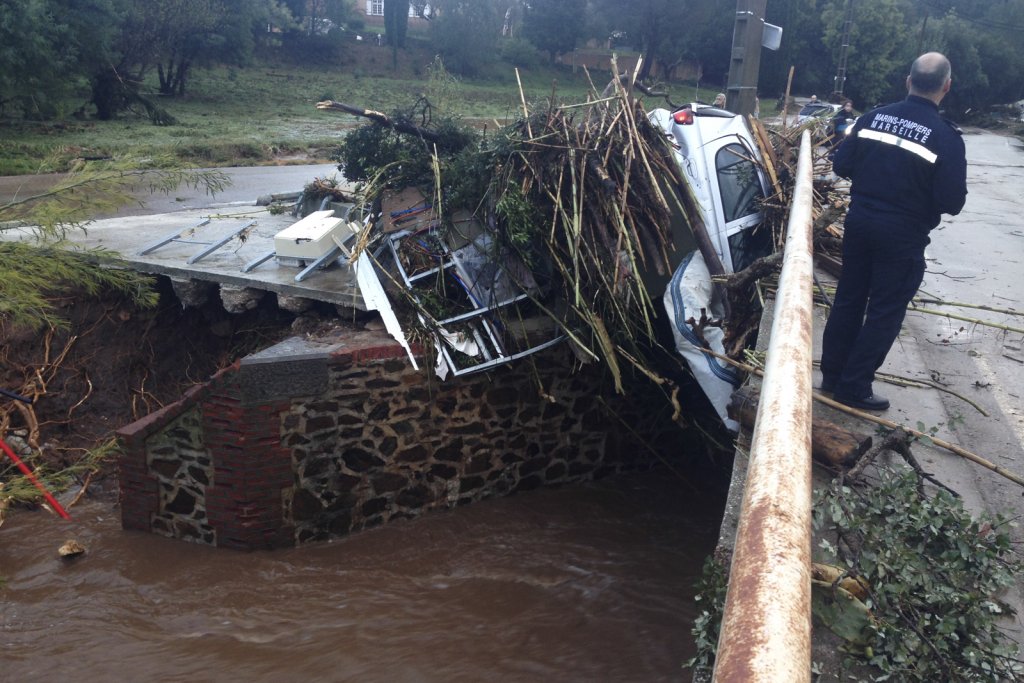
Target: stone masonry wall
x=304 y=442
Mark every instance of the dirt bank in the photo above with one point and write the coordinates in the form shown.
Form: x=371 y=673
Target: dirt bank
x=113 y=363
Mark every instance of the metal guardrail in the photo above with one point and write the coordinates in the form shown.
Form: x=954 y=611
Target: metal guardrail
x=766 y=628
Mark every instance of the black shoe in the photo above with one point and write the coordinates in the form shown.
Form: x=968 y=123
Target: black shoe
x=869 y=402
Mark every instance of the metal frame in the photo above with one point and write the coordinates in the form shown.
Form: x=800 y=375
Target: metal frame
x=210 y=248
x=481 y=328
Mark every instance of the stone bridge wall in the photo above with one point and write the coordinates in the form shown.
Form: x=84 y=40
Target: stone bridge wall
x=304 y=442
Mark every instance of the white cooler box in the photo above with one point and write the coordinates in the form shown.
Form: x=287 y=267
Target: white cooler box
x=312 y=237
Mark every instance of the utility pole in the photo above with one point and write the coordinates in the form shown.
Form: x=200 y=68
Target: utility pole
x=745 y=62
x=837 y=89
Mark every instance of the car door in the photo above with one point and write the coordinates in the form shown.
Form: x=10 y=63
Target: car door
x=740 y=187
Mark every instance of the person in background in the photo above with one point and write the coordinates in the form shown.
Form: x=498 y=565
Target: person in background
x=840 y=120
x=719 y=101
x=908 y=167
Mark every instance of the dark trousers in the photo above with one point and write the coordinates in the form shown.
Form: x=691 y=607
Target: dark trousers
x=880 y=276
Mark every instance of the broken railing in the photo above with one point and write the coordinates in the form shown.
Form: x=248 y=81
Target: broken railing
x=766 y=627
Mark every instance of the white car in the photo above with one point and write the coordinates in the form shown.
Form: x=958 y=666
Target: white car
x=721 y=165
x=816 y=110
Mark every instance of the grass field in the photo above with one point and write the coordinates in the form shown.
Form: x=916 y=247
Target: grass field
x=265 y=113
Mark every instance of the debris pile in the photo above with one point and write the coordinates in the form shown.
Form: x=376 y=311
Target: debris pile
x=563 y=224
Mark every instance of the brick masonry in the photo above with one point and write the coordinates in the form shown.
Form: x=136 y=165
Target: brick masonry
x=305 y=442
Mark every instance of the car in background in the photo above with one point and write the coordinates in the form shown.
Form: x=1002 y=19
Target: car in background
x=815 y=110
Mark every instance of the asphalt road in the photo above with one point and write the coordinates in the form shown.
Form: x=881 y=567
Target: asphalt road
x=976 y=258
x=247 y=183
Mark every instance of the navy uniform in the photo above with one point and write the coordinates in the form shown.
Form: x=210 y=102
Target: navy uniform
x=907 y=167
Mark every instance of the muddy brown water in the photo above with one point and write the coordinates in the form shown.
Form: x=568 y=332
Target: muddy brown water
x=585 y=583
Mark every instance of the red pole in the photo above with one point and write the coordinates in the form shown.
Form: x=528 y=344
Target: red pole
x=31 y=477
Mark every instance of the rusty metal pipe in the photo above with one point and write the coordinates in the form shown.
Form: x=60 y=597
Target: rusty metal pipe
x=766 y=628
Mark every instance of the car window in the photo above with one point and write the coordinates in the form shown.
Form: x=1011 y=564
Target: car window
x=738 y=182
x=747 y=246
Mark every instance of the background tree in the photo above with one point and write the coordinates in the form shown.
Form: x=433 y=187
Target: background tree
x=465 y=32
x=882 y=46
x=985 y=43
x=554 y=26
x=957 y=41
x=802 y=48
x=704 y=39
x=200 y=32
x=48 y=48
x=650 y=26
x=318 y=16
x=172 y=36
x=396 y=22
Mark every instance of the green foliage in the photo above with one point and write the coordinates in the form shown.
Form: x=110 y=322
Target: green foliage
x=520 y=52
x=47 y=48
x=30 y=273
x=881 y=50
x=32 y=269
x=664 y=30
x=802 y=47
x=521 y=218
x=935 y=575
x=960 y=44
x=554 y=26
x=710 y=598
x=378 y=153
x=371 y=148
x=442 y=90
x=465 y=33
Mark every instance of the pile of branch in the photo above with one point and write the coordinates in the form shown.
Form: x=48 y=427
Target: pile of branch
x=585 y=195
x=603 y=189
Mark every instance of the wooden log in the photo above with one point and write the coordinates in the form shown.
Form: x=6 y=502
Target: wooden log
x=830 y=444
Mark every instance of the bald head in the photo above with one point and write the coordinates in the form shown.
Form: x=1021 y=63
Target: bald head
x=929 y=76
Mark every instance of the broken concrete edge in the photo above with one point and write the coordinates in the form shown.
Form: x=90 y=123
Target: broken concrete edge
x=350 y=299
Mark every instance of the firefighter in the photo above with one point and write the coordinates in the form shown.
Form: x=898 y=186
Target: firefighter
x=907 y=167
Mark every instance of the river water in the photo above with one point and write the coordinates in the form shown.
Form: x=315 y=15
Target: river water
x=585 y=583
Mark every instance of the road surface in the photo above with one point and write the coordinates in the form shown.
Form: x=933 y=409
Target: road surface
x=976 y=258
x=247 y=183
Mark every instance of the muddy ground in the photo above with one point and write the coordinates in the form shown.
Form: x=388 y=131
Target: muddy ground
x=114 y=363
